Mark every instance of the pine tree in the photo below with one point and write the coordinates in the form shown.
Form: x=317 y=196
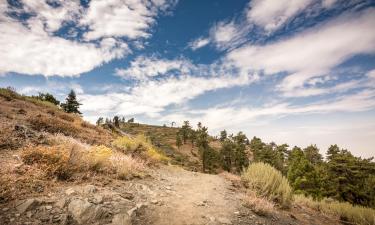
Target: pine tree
x=178 y=141
x=240 y=158
x=202 y=143
x=302 y=175
x=312 y=154
x=100 y=121
x=71 y=104
x=116 y=121
x=185 y=131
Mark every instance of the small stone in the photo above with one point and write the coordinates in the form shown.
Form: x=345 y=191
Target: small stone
x=44 y=218
x=61 y=203
x=154 y=201
x=29 y=214
x=121 y=219
x=5 y=209
x=127 y=195
x=48 y=207
x=237 y=213
x=27 y=205
x=131 y=211
x=17 y=215
x=224 y=220
x=168 y=188
x=70 y=191
x=201 y=204
x=11 y=219
x=89 y=189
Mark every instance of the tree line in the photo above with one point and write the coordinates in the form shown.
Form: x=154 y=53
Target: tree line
x=340 y=176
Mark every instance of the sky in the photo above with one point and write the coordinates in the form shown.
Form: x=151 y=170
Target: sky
x=299 y=72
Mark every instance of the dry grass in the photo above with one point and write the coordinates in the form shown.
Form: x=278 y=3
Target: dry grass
x=54 y=160
x=139 y=146
x=234 y=179
x=67 y=156
x=66 y=117
x=343 y=210
x=259 y=205
x=52 y=125
x=268 y=183
x=127 y=167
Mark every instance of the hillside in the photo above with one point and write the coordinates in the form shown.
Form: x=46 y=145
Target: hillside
x=59 y=169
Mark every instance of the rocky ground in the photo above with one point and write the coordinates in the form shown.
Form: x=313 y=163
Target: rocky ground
x=170 y=195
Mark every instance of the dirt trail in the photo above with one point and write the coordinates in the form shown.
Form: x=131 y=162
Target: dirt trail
x=185 y=197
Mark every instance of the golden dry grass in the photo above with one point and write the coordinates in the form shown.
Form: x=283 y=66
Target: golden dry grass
x=343 y=210
x=268 y=183
x=139 y=146
x=259 y=205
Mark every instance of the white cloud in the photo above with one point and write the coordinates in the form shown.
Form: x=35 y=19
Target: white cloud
x=52 y=17
x=122 y=18
x=226 y=35
x=30 y=46
x=33 y=51
x=311 y=53
x=218 y=118
x=271 y=14
x=152 y=97
x=199 y=43
x=145 y=67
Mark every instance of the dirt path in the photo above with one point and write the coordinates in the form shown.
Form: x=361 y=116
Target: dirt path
x=184 y=197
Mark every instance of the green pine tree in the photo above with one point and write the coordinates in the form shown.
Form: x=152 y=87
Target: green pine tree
x=71 y=104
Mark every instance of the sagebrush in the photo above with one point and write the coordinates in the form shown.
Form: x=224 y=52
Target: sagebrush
x=269 y=183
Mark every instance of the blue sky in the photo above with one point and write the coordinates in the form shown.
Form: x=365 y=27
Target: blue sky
x=291 y=71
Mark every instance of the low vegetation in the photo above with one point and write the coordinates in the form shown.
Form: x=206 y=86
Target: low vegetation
x=268 y=183
x=70 y=157
x=344 y=210
x=139 y=146
x=259 y=205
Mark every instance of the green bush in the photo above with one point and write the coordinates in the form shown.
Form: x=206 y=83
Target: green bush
x=269 y=183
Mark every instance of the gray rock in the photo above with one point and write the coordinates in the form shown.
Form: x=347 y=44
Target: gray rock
x=61 y=203
x=84 y=211
x=27 y=205
x=121 y=219
x=48 y=207
x=70 y=191
x=89 y=189
x=131 y=211
x=98 y=199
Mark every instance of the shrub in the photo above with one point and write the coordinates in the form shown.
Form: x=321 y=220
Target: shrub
x=87 y=125
x=53 y=160
x=126 y=144
x=52 y=125
x=98 y=157
x=344 y=210
x=8 y=93
x=259 y=205
x=66 y=117
x=140 y=146
x=126 y=166
x=268 y=182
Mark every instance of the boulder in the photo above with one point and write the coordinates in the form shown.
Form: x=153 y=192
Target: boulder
x=121 y=219
x=27 y=205
x=89 y=189
x=84 y=211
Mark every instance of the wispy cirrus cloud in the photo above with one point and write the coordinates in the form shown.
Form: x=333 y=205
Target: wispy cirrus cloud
x=324 y=47
x=271 y=15
x=143 y=67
